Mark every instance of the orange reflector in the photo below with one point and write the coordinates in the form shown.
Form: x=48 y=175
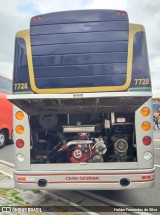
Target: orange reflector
x=19 y=129
x=21 y=179
x=146 y=126
x=19 y=115
x=145 y=111
x=146 y=177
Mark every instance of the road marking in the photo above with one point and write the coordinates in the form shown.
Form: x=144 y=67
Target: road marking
x=157 y=165
x=7 y=163
x=111 y=202
x=156 y=148
x=6 y=168
x=101 y=198
x=5 y=173
x=70 y=203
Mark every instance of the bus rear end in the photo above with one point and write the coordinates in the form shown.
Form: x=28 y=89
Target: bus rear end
x=83 y=108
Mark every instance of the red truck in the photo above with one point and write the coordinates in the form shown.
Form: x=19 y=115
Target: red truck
x=6 y=124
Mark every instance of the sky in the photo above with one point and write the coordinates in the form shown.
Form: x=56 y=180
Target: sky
x=15 y=16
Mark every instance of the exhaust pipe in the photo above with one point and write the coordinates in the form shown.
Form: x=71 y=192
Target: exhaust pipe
x=42 y=182
x=124 y=182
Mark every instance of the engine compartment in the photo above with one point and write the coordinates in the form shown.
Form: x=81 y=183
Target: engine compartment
x=83 y=137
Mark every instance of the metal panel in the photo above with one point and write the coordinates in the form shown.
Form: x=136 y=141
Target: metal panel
x=86 y=186
x=80 y=60
x=25 y=165
x=82 y=180
x=78 y=16
x=75 y=43
x=69 y=71
x=140 y=69
x=79 y=27
x=141 y=148
x=79 y=103
x=84 y=166
x=80 y=81
x=86 y=37
x=21 y=82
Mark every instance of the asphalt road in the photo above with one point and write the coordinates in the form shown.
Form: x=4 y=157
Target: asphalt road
x=140 y=197
x=7 y=153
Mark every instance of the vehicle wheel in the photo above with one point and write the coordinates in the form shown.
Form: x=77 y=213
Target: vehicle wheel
x=10 y=141
x=2 y=139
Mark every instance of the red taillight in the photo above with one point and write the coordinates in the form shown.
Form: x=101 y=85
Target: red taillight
x=39 y=17
x=147 y=140
x=34 y=19
x=20 y=143
x=118 y=13
x=123 y=14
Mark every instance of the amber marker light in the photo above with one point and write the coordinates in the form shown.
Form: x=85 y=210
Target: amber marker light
x=145 y=111
x=19 y=129
x=19 y=115
x=21 y=179
x=146 y=126
x=146 y=177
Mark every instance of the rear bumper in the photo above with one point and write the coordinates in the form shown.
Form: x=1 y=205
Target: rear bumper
x=91 y=180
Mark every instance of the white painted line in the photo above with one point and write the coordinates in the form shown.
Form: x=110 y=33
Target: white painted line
x=157 y=165
x=112 y=202
x=156 y=148
x=71 y=203
x=101 y=198
x=7 y=163
x=5 y=173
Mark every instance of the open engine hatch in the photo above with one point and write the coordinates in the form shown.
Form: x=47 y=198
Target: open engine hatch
x=40 y=104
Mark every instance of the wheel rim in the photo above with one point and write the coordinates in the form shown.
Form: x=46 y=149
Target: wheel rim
x=2 y=139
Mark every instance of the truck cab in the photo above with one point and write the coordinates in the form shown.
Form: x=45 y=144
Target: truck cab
x=6 y=114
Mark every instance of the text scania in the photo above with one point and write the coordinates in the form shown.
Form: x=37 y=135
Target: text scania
x=82 y=178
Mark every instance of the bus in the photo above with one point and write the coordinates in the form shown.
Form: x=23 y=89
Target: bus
x=6 y=124
x=82 y=100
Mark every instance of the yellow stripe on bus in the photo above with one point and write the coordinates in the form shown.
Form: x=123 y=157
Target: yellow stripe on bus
x=133 y=29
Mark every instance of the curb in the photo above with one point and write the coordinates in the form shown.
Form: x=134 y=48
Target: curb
x=7 y=163
x=22 y=194
x=6 y=168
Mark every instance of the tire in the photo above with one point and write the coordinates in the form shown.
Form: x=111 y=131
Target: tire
x=10 y=141
x=2 y=139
